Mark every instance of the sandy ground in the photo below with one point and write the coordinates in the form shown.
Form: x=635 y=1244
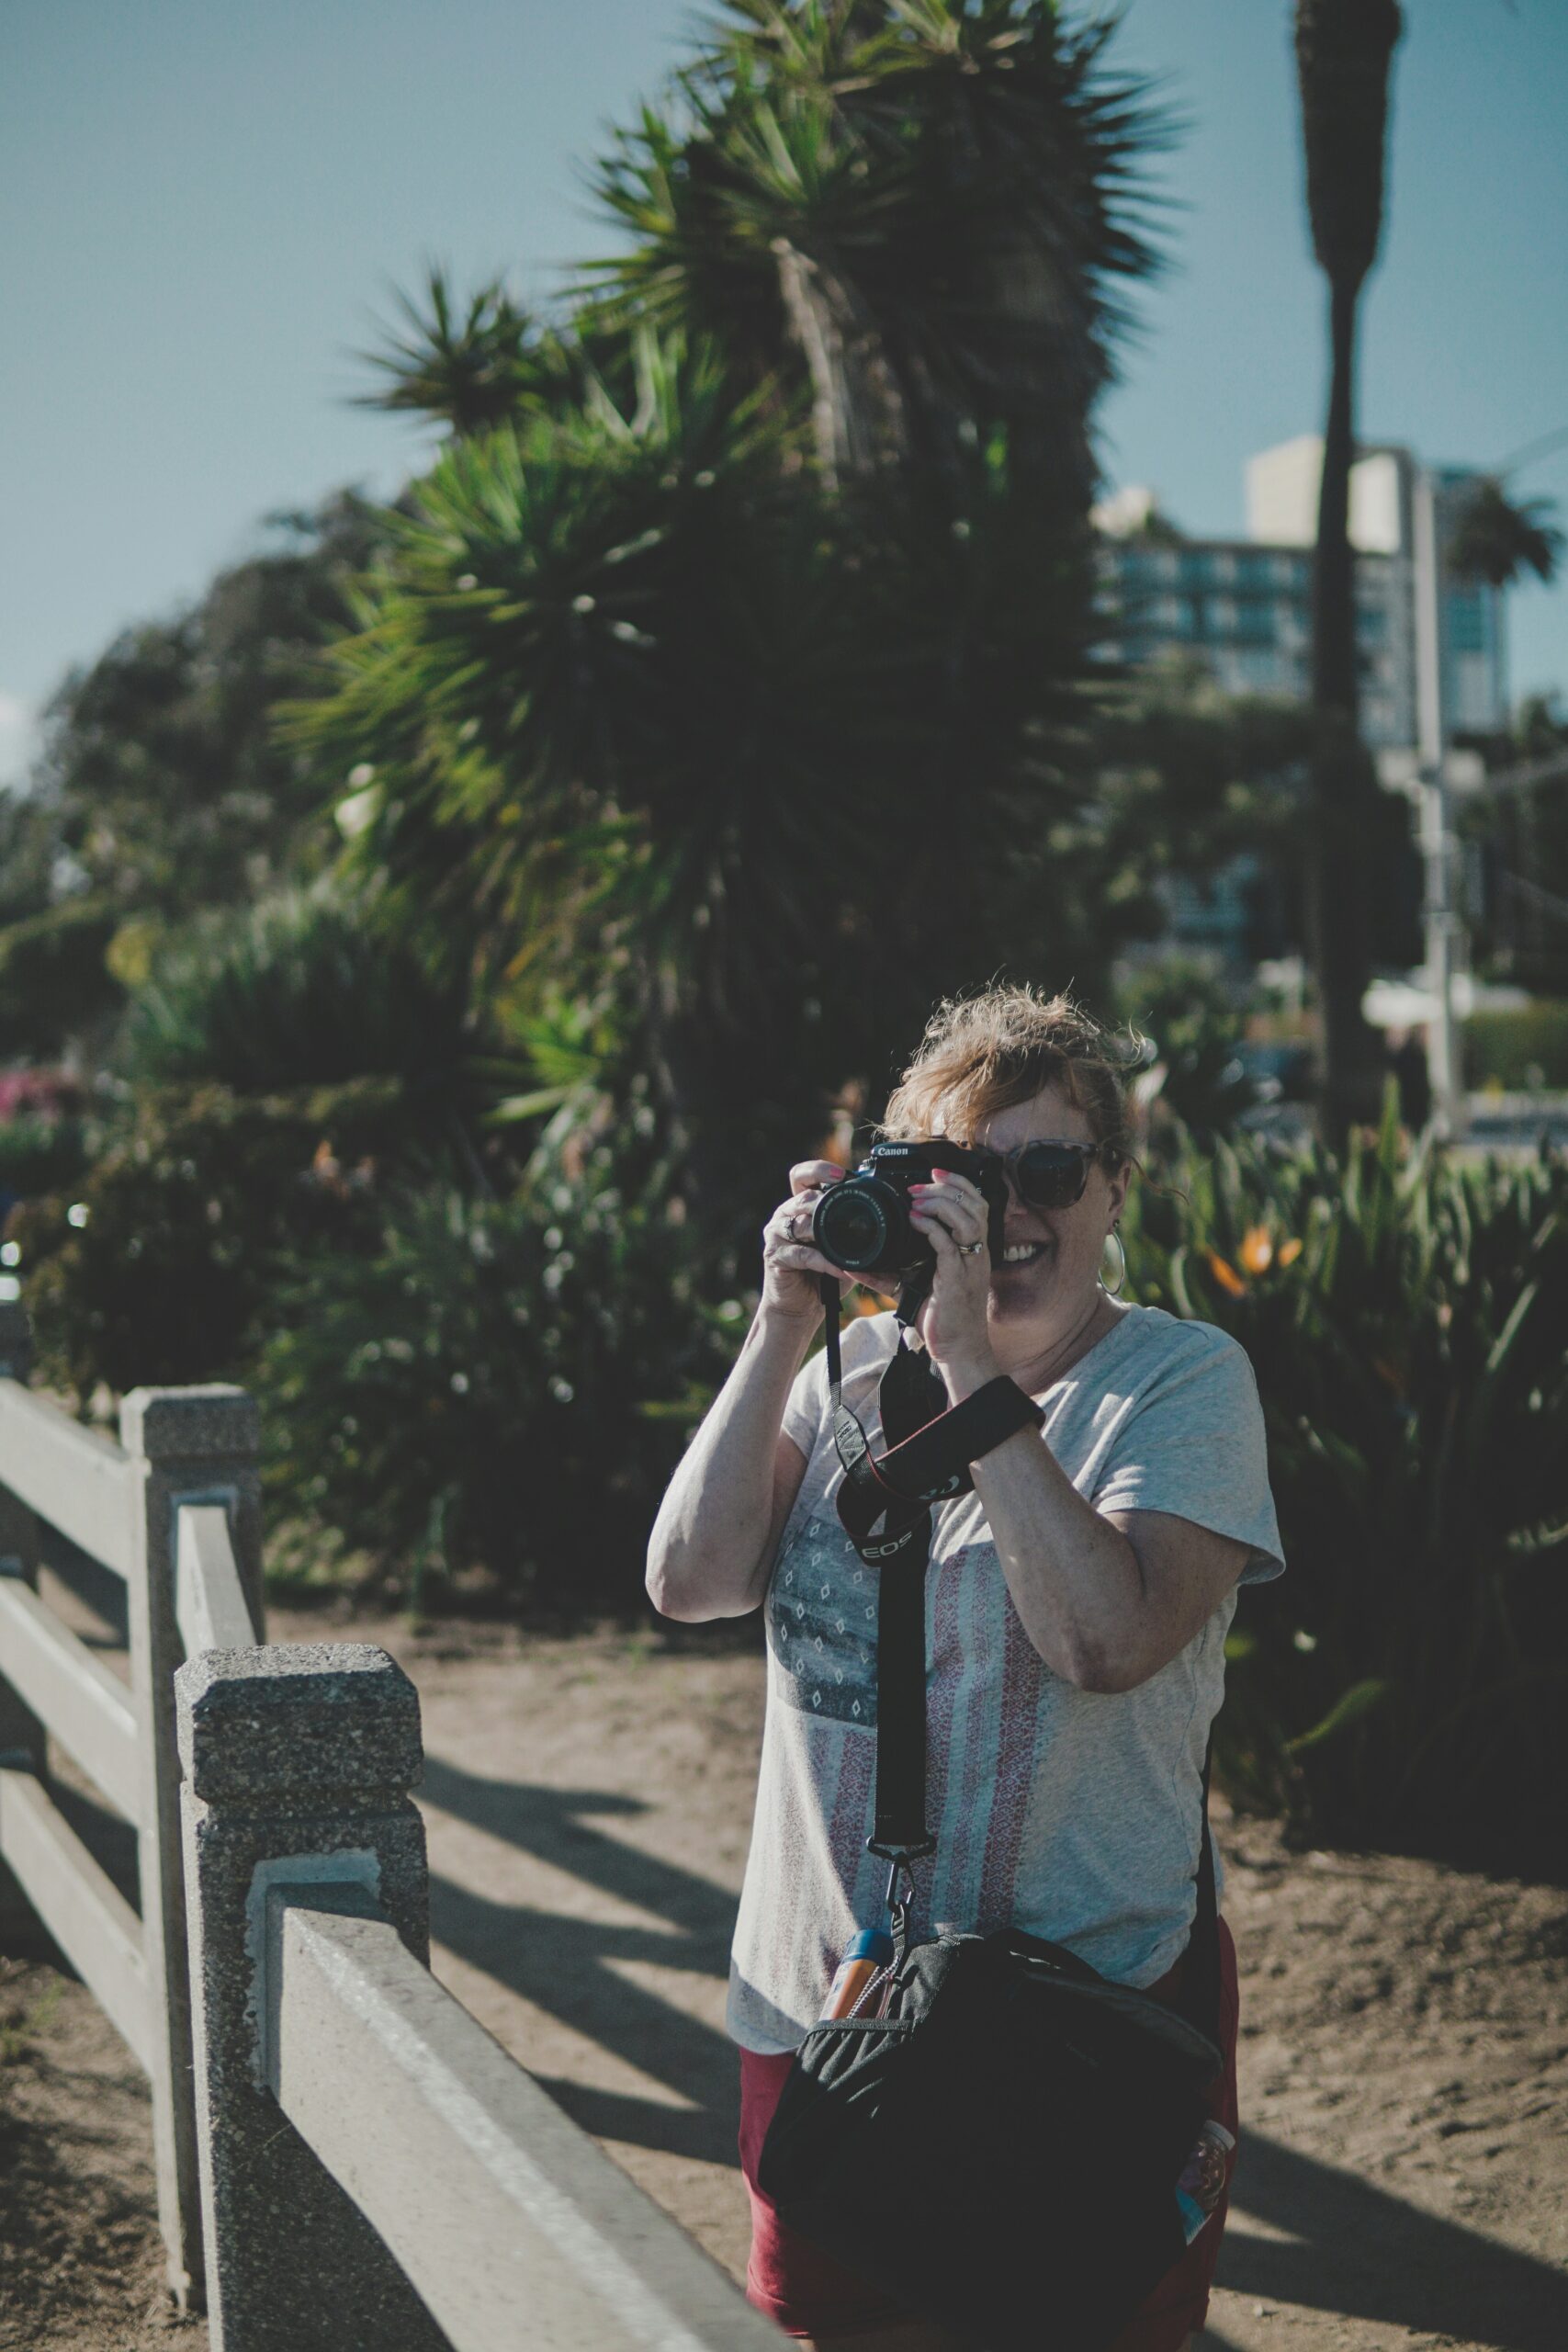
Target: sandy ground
x=1403 y=2065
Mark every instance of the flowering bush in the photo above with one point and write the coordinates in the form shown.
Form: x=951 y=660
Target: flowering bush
x=1404 y=1315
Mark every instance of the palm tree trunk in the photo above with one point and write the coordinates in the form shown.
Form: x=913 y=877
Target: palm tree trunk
x=857 y=412
x=1333 y=682
x=1337 y=897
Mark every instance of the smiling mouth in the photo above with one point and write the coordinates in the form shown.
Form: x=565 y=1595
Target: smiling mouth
x=1024 y=1253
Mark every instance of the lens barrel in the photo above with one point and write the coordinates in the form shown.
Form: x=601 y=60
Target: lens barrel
x=862 y=1225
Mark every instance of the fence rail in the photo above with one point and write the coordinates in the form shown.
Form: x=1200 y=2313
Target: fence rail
x=510 y=2221
x=78 y=1481
x=211 y=1608
x=80 y=1905
x=88 y=1709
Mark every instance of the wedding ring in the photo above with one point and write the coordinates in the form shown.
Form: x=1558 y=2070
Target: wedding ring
x=970 y=1248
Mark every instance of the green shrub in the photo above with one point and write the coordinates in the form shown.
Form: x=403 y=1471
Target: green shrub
x=53 y=980
x=304 y=989
x=1405 y=1315
x=501 y=1387
x=40 y=1154
x=1195 y=1031
x=1520 y=1049
x=162 y=1259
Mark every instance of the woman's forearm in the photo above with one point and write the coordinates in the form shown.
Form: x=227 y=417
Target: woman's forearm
x=708 y=1555
x=1075 y=1580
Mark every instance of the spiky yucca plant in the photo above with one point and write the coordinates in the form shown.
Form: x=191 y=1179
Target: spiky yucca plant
x=471 y=367
x=923 y=211
x=648 y=707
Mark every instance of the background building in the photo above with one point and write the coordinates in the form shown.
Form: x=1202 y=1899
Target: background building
x=1244 y=606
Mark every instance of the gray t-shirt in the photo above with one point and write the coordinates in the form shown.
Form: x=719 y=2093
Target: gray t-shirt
x=1073 y=1815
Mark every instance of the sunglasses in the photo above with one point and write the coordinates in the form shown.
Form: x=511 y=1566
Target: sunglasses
x=1048 y=1175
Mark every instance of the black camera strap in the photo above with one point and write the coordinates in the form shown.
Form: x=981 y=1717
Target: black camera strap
x=930 y=1448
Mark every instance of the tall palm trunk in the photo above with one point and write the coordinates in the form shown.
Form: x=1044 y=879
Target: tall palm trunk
x=1337 y=908
x=1343 y=51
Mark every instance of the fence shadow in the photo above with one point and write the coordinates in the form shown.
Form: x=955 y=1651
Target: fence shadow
x=97 y=1590
x=1358 y=2252
x=572 y=1968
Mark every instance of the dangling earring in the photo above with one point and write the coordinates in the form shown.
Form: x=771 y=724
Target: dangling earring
x=1114 y=1290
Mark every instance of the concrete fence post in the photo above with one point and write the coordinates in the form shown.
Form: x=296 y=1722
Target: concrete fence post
x=298 y=1764
x=16 y=1339
x=22 y=1738
x=190 y=1446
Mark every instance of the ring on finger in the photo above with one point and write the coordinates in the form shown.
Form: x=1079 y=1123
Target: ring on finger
x=969 y=1248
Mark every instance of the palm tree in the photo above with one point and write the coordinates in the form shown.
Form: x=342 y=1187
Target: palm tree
x=1343 y=52
x=1498 y=539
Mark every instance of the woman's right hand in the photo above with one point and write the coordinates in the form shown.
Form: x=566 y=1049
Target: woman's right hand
x=790 y=1265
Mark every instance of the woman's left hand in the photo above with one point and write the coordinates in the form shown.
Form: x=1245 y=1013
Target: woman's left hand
x=951 y=1213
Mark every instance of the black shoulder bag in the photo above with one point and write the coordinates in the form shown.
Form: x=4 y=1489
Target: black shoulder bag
x=998 y=2147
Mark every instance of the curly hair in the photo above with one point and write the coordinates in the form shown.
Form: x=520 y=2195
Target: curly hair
x=983 y=1053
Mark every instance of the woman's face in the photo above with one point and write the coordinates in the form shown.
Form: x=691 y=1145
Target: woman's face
x=1054 y=1279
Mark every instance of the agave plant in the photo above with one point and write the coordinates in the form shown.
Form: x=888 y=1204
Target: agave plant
x=1405 y=1316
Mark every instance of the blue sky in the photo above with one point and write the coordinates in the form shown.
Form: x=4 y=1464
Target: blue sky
x=204 y=205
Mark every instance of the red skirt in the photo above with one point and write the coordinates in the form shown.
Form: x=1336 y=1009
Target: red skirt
x=806 y=2293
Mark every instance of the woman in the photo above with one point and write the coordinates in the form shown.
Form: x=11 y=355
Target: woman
x=1078 y=1601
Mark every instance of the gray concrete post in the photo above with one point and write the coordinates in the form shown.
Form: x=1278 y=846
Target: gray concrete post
x=16 y=1339
x=298 y=1765
x=21 y=1733
x=22 y=1737
x=192 y=1445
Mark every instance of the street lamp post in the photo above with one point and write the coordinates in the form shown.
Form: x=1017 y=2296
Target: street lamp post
x=1443 y=926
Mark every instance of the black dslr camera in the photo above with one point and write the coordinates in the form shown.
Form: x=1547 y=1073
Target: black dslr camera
x=862 y=1224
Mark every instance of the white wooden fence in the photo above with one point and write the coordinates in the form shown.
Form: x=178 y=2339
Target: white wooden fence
x=346 y=2162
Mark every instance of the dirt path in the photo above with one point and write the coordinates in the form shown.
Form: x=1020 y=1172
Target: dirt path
x=1405 y=2062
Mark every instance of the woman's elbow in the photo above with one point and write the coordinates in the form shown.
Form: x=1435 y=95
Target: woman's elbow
x=662 y=1587
x=1101 y=1670
x=678 y=1590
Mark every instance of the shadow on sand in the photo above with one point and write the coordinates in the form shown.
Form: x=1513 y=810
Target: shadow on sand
x=1347 y=2247
x=576 y=1969
x=1356 y=2251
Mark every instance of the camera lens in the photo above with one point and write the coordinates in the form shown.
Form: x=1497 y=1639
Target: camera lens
x=850 y=1225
